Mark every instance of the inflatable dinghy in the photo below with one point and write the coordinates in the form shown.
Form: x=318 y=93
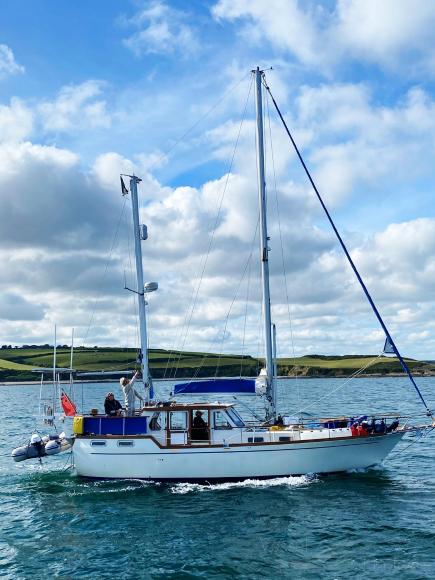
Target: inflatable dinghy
x=41 y=447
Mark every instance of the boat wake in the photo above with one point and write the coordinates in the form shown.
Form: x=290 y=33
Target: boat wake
x=296 y=481
x=113 y=486
x=370 y=469
x=121 y=486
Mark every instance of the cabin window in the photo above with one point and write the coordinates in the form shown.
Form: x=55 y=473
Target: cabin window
x=125 y=443
x=235 y=417
x=284 y=438
x=255 y=439
x=98 y=443
x=178 y=421
x=221 y=420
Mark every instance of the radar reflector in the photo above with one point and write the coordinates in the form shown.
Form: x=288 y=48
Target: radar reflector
x=150 y=287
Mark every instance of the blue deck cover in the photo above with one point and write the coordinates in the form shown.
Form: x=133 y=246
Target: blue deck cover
x=230 y=386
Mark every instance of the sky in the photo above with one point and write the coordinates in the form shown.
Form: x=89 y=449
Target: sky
x=89 y=90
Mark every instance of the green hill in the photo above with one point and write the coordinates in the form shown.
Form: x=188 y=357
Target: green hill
x=16 y=363
x=319 y=365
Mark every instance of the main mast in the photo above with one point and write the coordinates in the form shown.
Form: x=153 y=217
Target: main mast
x=264 y=253
x=139 y=235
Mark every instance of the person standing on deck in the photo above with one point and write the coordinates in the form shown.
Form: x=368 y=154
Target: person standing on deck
x=130 y=394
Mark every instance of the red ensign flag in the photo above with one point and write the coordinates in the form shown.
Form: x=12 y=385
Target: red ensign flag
x=68 y=406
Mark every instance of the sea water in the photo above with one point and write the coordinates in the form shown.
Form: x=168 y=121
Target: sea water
x=373 y=524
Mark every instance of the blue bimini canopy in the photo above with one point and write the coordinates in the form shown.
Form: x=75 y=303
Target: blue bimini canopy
x=230 y=386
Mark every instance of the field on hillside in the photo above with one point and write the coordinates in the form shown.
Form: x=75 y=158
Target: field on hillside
x=16 y=364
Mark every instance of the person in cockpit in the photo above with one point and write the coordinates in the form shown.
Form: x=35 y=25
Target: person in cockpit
x=112 y=407
x=199 y=428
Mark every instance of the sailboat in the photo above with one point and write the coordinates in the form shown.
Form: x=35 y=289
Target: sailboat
x=54 y=406
x=211 y=441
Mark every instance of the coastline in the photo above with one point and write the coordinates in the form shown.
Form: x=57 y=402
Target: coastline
x=292 y=377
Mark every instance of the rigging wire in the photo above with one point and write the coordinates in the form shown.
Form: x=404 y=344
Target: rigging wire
x=421 y=434
x=261 y=337
x=173 y=350
x=216 y=338
x=248 y=284
x=349 y=258
x=260 y=342
x=248 y=261
x=187 y=318
x=284 y=270
x=134 y=299
x=216 y=222
x=109 y=257
x=346 y=382
x=229 y=91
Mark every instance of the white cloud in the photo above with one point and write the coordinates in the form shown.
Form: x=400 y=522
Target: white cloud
x=67 y=215
x=282 y=22
x=353 y=142
x=390 y=33
x=161 y=30
x=56 y=227
x=76 y=107
x=386 y=31
x=16 y=121
x=390 y=257
x=107 y=168
x=8 y=64
x=67 y=220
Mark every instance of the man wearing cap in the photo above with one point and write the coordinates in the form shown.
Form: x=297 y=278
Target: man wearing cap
x=112 y=407
x=130 y=394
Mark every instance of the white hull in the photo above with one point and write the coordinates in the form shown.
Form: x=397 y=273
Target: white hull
x=146 y=460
